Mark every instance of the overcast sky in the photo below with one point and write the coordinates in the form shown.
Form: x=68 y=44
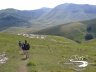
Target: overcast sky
x=36 y=4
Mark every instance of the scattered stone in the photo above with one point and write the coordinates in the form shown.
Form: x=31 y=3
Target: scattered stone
x=3 y=58
x=33 y=36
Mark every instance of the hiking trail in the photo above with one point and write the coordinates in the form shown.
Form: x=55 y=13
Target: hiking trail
x=23 y=67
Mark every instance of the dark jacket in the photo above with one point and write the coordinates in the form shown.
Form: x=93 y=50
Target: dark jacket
x=26 y=46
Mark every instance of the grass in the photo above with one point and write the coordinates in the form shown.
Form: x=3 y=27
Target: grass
x=46 y=54
x=75 y=30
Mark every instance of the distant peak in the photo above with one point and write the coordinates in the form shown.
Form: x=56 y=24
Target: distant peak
x=9 y=9
x=45 y=8
x=76 y=4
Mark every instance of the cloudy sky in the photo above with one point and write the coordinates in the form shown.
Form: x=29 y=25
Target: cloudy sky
x=36 y=4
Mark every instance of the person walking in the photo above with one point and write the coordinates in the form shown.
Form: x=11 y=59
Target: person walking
x=20 y=46
x=26 y=47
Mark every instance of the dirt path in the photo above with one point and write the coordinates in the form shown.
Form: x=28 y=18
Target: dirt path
x=23 y=67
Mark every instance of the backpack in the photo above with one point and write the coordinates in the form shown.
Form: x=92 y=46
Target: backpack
x=27 y=46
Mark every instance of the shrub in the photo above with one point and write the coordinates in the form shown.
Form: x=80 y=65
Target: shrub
x=31 y=64
x=88 y=36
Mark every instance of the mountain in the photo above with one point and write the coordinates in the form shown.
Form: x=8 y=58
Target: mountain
x=35 y=20
x=74 y=30
x=17 y=18
x=25 y=14
x=66 y=13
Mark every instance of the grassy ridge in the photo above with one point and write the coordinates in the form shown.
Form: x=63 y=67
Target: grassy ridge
x=74 y=30
x=46 y=54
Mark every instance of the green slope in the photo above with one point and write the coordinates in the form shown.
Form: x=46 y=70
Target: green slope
x=46 y=54
x=66 y=13
x=19 y=18
x=75 y=30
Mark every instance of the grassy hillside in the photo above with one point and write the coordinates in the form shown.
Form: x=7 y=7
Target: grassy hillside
x=66 y=13
x=46 y=55
x=75 y=30
x=19 y=18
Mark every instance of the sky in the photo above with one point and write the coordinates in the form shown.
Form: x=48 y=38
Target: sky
x=36 y=4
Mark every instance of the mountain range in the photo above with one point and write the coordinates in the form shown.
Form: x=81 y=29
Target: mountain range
x=67 y=17
x=17 y=18
x=66 y=13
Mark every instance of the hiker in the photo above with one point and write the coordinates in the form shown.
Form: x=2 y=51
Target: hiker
x=20 y=46
x=25 y=49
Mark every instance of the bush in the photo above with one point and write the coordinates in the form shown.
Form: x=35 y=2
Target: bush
x=31 y=64
x=88 y=37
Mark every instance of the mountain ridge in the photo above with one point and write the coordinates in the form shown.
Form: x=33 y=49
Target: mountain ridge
x=66 y=13
x=75 y=30
x=46 y=17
